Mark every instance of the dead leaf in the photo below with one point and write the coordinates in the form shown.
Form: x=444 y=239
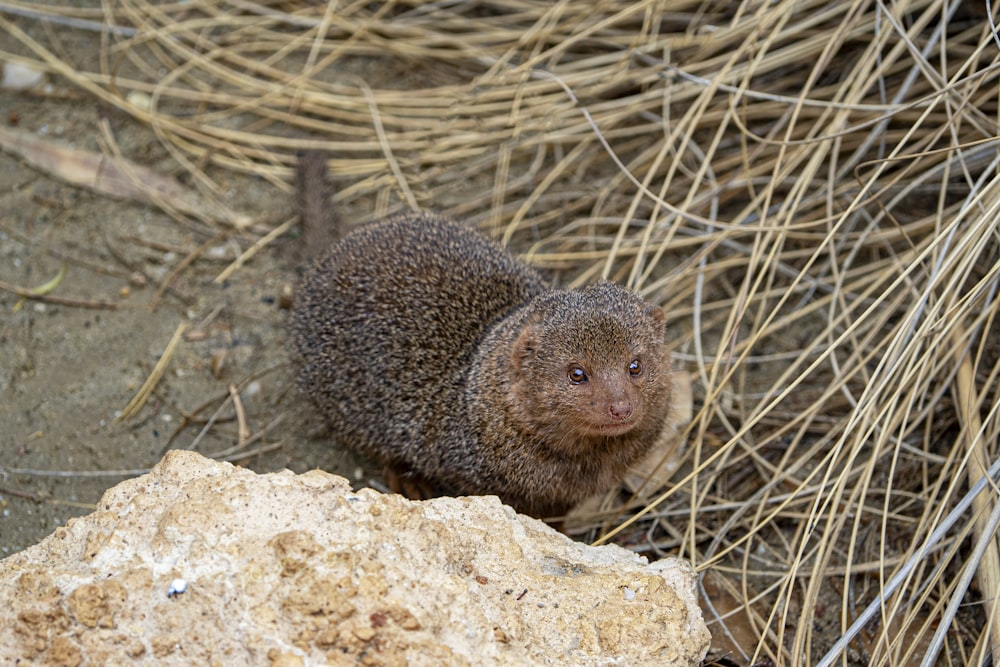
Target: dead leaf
x=116 y=178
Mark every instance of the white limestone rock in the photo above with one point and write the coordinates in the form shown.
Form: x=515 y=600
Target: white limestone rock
x=201 y=562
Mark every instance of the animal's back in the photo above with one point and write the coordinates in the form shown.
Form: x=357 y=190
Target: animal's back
x=387 y=323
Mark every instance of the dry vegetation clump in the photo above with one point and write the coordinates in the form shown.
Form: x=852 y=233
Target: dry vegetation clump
x=810 y=189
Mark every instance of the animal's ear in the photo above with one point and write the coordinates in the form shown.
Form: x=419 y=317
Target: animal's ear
x=657 y=314
x=525 y=347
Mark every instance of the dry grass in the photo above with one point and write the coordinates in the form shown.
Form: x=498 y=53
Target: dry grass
x=809 y=188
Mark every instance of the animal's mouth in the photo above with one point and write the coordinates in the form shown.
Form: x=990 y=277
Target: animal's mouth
x=611 y=428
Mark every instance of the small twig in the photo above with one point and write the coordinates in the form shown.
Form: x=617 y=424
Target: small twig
x=984 y=507
x=19 y=494
x=208 y=424
x=69 y=474
x=135 y=277
x=147 y=387
x=181 y=266
x=255 y=452
x=235 y=450
x=68 y=21
x=242 y=428
x=26 y=293
x=254 y=249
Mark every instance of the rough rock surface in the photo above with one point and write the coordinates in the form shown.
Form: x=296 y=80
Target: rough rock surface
x=205 y=563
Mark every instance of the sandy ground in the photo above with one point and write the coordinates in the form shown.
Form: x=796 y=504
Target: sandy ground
x=66 y=372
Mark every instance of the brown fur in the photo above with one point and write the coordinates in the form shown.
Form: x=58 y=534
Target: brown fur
x=428 y=348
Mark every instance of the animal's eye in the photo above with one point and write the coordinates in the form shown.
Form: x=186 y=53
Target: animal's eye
x=577 y=375
x=635 y=368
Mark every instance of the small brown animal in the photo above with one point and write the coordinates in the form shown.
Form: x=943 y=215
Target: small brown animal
x=431 y=349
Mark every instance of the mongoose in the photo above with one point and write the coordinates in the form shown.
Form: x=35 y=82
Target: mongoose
x=430 y=349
